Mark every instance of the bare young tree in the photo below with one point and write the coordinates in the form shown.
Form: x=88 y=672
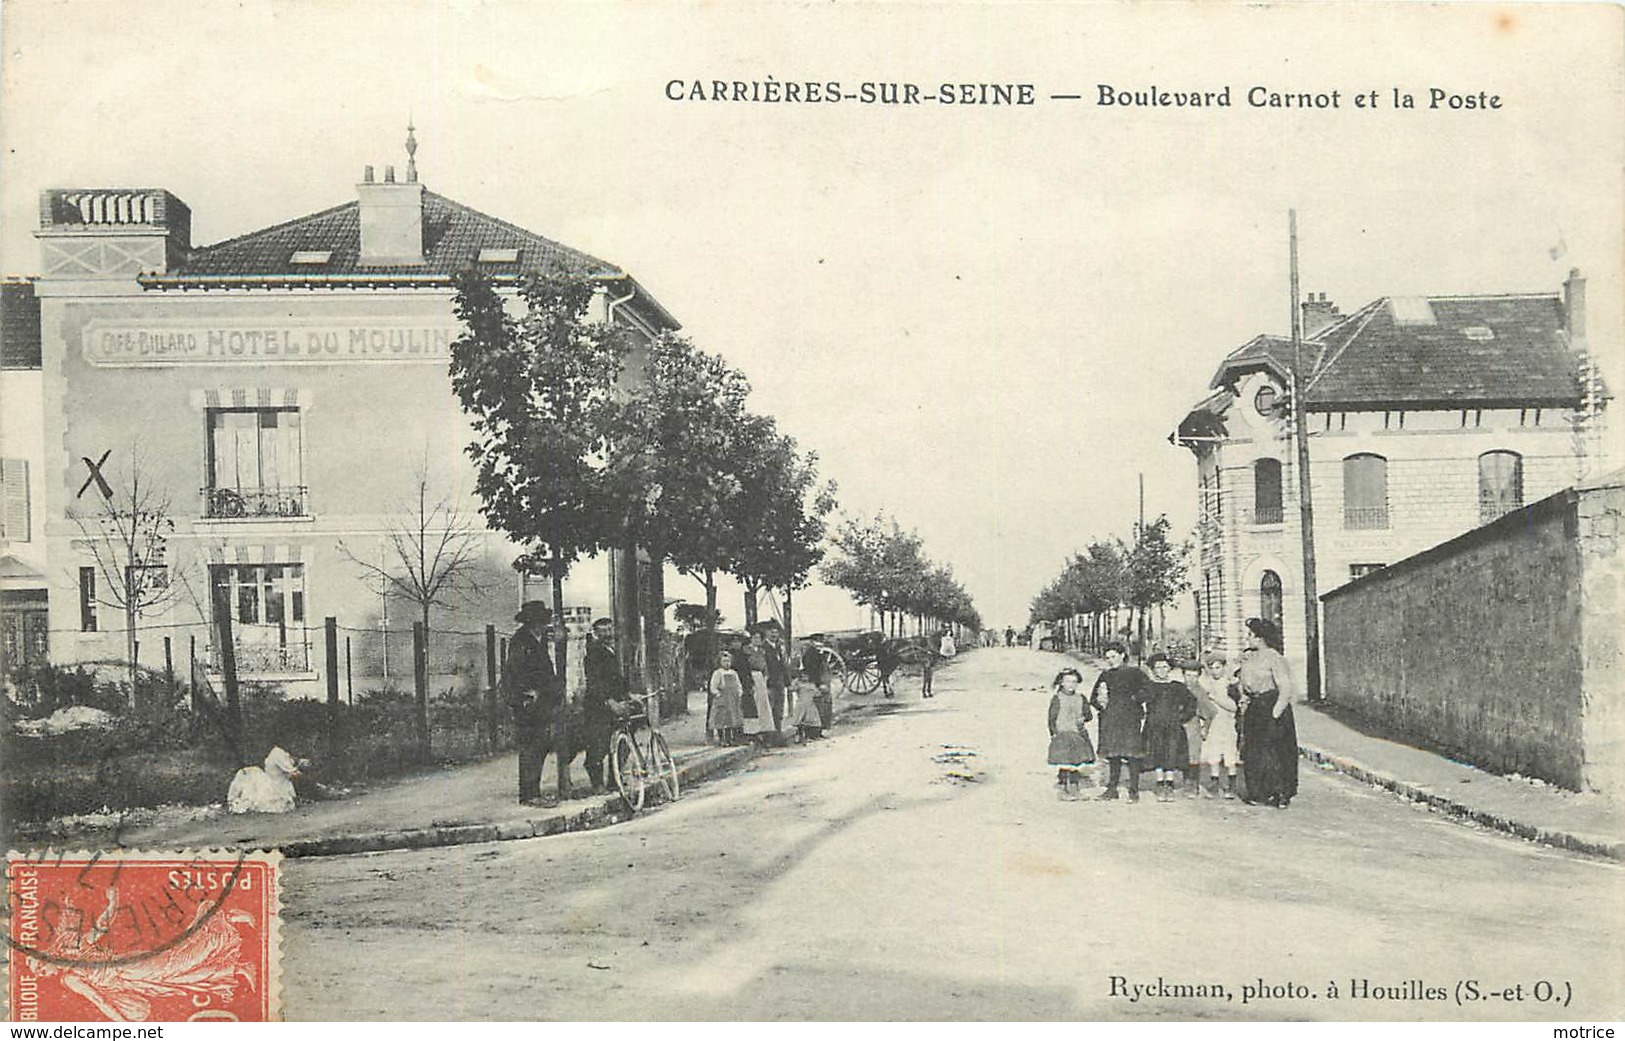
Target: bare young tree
x=433 y=552
x=125 y=530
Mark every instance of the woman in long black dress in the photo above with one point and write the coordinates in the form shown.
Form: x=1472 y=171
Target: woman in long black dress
x=1269 y=737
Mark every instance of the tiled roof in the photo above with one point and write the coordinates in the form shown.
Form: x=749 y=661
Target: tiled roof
x=1438 y=351
x=453 y=236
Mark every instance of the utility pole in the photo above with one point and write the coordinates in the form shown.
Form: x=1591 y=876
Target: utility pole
x=1306 y=511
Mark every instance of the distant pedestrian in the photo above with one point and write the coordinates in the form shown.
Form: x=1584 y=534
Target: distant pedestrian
x=727 y=718
x=1169 y=706
x=1216 y=704
x=1269 y=737
x=1009 y=636
x=535 y=692
x=1119 y=700
x=1069 y=748
x=939 y=648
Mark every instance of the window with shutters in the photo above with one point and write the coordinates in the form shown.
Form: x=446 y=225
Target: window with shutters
x=1365 y=491
x=256 y=467
x=14 y=500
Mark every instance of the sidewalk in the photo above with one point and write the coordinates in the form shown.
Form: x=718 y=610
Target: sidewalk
x=1533 y=810
x=461 y=804
x=1583 y=822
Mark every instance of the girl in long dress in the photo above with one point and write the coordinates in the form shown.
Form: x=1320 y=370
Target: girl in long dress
x=727 y=718
x=1169 y=706
x=1069 y=747
x=1269 y=736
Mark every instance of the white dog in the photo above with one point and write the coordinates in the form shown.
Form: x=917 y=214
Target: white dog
x=264 y=789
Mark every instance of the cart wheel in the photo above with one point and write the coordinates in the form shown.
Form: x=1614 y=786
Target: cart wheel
x=627 y=765
x=864 y=677
x=664 y=767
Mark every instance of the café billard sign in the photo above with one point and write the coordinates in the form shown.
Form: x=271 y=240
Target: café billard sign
x=286 y=341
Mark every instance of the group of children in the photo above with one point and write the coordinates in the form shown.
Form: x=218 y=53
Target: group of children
x=1155 y=722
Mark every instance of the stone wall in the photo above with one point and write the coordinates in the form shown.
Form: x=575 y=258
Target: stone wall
x=1500 y=645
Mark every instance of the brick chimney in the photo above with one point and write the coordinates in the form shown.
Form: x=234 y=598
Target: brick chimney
x=111 y=232
x=1318 y=313
x=1574 y=306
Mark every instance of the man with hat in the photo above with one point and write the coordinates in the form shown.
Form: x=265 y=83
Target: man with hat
x=536 y=693
x=606 y=688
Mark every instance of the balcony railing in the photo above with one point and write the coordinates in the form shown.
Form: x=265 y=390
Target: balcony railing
x=232 y=503
x=1267 y=514
x=257 y=658
x=1365 y=518
x=1495 y=509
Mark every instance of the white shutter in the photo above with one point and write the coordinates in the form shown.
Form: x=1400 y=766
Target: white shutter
x=14 y=500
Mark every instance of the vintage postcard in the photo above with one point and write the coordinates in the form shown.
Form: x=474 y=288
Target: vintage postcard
x=812 y=512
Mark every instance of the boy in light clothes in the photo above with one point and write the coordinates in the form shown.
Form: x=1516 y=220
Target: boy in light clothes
x=1218 y=710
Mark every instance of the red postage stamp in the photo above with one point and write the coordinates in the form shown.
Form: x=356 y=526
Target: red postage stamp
x=138 y=936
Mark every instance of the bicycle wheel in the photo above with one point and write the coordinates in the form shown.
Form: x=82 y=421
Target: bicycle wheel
x=627 y=765
x=663 y=766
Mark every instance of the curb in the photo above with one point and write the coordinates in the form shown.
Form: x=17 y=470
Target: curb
x=607 y=810
x=1592 y=845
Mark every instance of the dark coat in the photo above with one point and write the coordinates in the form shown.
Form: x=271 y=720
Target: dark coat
x=532 y=687
x=778 y=675
x=605 y=682
x=1119 y=701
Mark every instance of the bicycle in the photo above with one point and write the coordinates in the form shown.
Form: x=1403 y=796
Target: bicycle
x=636 y=769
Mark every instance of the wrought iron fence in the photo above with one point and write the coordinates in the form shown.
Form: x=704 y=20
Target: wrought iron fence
x=1365 y=518
x=227 y=503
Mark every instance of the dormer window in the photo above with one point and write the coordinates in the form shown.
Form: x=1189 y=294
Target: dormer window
x=311 y=256
x=495 y=255
x=1481 y=333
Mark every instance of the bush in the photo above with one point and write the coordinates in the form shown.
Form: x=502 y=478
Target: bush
x=38 y=691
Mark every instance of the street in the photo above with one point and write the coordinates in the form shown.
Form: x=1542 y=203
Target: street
x=919 y=865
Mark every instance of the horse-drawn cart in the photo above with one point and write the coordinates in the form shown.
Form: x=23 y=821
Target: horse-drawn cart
x=864 y=660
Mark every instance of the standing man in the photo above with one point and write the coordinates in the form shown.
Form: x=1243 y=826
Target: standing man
x=778 y=671
x=536 y=694
x=606 y=685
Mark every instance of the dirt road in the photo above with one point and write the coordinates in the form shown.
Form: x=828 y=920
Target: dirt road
x=920 y=866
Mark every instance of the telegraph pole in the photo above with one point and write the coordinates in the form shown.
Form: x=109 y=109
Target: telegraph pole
x=1306 y=511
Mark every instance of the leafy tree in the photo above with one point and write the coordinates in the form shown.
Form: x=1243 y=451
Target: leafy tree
x=683 y=431
x=541 y=392
x=780 y=516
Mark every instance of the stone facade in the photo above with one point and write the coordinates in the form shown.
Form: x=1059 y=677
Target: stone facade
x=1501 y=645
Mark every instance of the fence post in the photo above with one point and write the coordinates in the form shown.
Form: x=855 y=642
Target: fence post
x=491 y=687
x=330 y=632
x=191 y=669
x=349 y=675
x=420 y=685
x=169 y=668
